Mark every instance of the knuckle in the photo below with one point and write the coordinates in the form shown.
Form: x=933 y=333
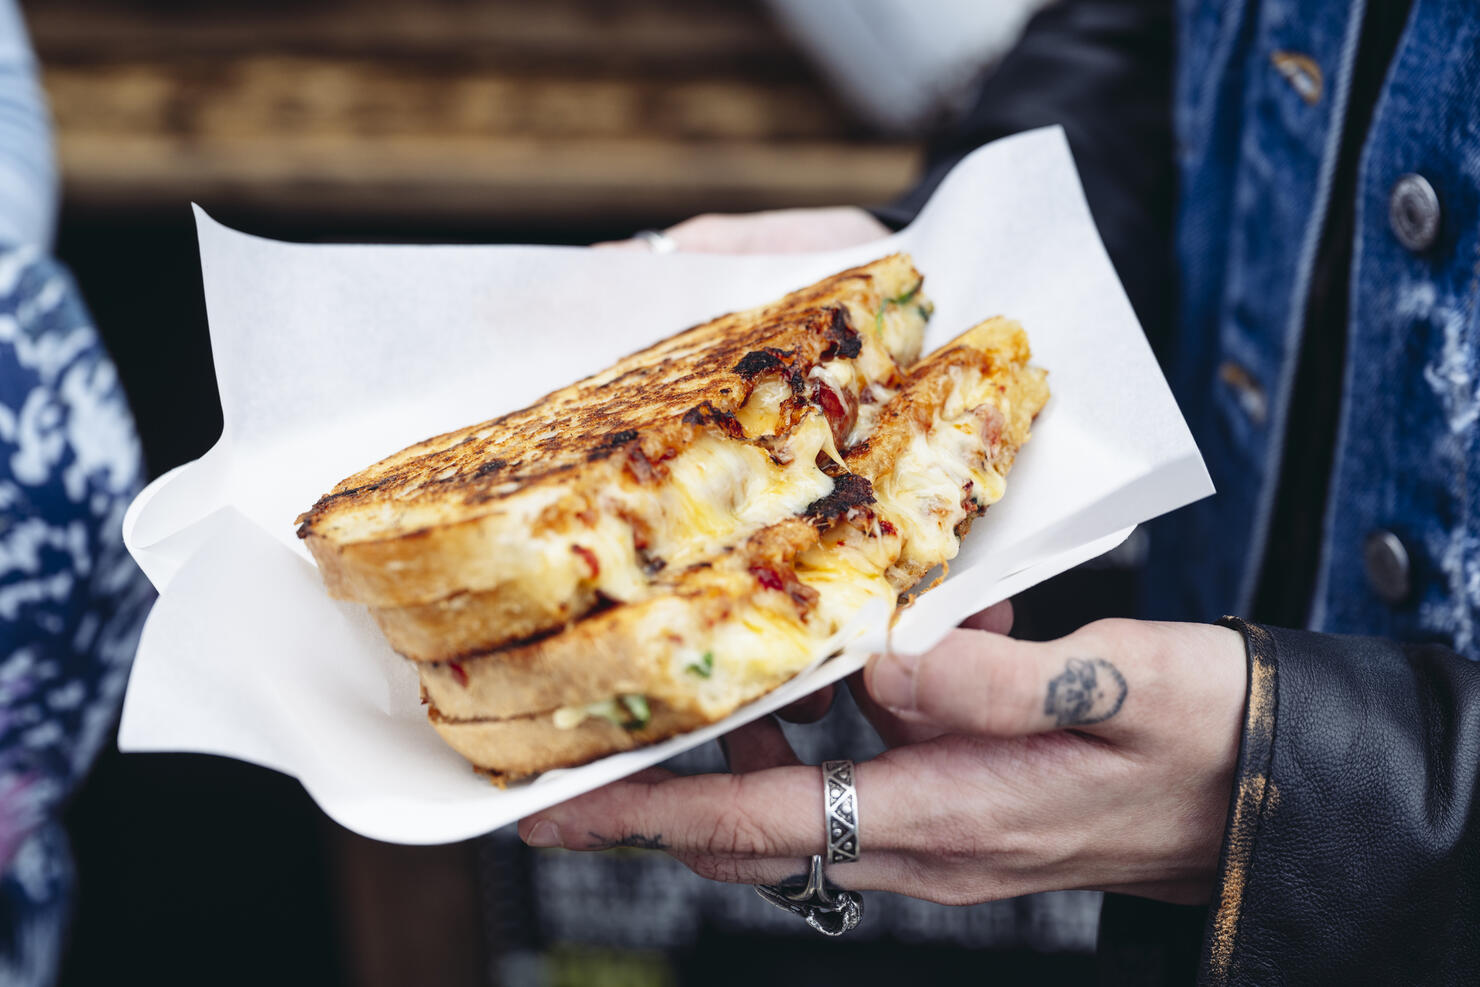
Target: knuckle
x=1107 y=635
x=1143 y=644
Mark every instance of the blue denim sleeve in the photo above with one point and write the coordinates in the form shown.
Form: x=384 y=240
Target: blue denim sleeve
x=28 y=176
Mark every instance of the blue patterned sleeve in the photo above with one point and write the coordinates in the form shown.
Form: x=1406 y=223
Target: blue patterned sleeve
x=72 y=602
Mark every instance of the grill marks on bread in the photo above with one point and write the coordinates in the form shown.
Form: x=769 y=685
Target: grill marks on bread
x=656 y=399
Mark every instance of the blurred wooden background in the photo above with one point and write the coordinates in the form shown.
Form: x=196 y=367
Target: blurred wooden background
x=424 y=120
x=491 y=111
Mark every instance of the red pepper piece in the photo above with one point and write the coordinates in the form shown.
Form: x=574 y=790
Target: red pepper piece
x=588 y=557
x=839 y=410
x=769 y=578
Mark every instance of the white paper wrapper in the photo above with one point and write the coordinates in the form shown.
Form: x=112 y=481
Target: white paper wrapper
x=330 y=357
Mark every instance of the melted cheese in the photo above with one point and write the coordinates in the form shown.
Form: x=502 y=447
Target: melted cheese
x=719 y=488
x=848 y=572
x=717 y=491
x=868 y=415
x=901 y=328
x=924 y=491
x=761 y=413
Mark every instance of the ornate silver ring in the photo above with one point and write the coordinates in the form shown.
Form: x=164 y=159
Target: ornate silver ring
x=826 y=908
x=657 y=241
x=840 y=803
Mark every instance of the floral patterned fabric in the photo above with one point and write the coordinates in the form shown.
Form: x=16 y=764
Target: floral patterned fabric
x=71 y=600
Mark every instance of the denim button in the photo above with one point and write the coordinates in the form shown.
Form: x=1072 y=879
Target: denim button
x=1302 y=73
x=1250 y=395
x=1413 y=213
x=1386 y=561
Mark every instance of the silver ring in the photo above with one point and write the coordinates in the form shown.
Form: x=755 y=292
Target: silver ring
x=657 y=241
x=840 y=803
x=828 y=909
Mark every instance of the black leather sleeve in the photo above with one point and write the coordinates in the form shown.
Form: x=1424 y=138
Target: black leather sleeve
x=1352 y=849
x=1352 y=852
x=1102 y=69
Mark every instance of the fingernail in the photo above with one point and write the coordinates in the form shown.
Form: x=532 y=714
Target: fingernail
x=543 y=833
x=893 y=681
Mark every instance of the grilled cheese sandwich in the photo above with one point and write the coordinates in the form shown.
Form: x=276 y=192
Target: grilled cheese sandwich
x=647 y=550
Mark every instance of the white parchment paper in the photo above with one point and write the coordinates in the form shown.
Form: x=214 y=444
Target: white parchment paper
x=330 y=357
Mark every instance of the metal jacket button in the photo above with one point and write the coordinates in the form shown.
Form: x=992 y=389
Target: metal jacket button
x=1386 y=561
x=1413 y=212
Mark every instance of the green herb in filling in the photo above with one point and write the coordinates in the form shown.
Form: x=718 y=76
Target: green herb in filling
x=637 y=707
x=905 y=298
x=704 y=667
x=899 y=301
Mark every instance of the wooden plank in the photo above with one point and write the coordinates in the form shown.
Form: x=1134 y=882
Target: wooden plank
x=612 y=112
x=507 y=179
x=650 y=33
x=287 y=95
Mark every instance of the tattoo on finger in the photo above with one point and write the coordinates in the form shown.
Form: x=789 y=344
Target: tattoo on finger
x=1088 y=690
x=636 y=841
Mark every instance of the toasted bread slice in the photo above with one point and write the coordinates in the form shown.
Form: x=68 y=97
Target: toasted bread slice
x=582 y=496
x=722 y=634
x=512 y=749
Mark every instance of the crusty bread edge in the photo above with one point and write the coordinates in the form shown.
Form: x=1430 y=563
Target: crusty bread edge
x=511 y=749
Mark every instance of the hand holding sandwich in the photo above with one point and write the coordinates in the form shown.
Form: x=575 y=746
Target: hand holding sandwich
x=1101 y=760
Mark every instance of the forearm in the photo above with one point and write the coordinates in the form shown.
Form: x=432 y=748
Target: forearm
x=1353 y=846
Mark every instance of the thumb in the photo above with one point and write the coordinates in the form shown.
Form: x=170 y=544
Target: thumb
x=982 y=683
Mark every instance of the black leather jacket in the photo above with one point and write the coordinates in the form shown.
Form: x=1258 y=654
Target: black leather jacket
x=1352 y=849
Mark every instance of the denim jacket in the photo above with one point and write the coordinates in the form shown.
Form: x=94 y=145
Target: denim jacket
x=1352 y=848
x=1259 y=106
